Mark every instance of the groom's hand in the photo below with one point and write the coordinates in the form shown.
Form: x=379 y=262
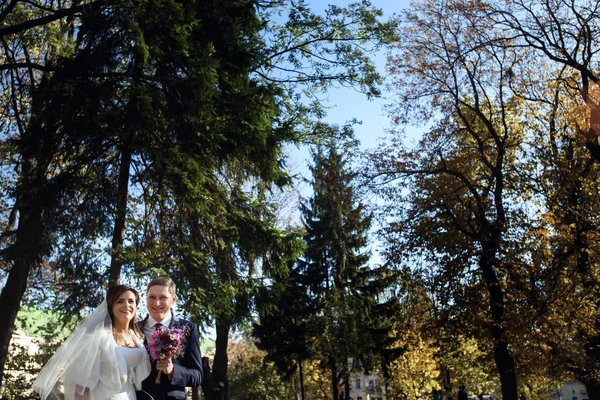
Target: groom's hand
x=166 y=366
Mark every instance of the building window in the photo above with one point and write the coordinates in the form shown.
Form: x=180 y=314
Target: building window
x=358 y=383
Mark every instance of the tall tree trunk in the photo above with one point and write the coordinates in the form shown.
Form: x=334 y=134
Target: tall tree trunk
x=207 y=382
x=345 y=371
x=24 y=253
x=347 y=387
x=592 y=387
x=126 y=149
x=334 y=379
x=219 y=371
x=502 y=355
x=447 y=382
x=116 y=261
x=585 y=371
x=196 y=393
x=301 y=372
x=345 y=354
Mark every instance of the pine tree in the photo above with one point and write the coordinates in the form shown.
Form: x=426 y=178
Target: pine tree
x=332 y=305
x=284 y=329
x=335 y=261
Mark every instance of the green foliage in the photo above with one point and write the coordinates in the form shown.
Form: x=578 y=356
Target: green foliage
x=284 y=327
x=185 y=106
x=470 y=365
x=327 y=306
x=415 y=372
x=42 y=323
x=29 y=353
x=251 y=378
x=490 y=205
x=261 y=382
x=20 y=369
x=207 y=345
x=306 y=53
x=334 y=264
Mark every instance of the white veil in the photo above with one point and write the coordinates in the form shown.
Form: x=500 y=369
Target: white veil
x=86 y=357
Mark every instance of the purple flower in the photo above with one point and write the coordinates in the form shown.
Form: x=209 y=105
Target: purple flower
x=166 y=342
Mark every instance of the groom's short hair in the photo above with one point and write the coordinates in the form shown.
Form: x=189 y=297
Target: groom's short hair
x=163 y=281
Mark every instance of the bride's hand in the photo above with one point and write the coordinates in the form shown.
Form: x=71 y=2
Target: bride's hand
x=82 y=396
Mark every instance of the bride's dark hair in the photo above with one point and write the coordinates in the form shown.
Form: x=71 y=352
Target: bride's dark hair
x=113 y=294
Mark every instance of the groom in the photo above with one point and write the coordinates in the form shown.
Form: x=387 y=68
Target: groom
x=185 y=369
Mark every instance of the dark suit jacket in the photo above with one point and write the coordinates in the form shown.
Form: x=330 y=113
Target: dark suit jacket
x=187 y=366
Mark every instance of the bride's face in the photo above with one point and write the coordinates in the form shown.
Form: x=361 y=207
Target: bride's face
x=123 y=309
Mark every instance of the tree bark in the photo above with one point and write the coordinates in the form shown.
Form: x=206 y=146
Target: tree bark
x=196 y=393
x=347 y=387
x=219 y=372
x=28 y=236
x=116 y=260
x=24 y=253
x=334 y=376
x=207 y=382
x=502 y=355
x=592 y=387
x=56 y=15
x=584 y=371
x=301 y=372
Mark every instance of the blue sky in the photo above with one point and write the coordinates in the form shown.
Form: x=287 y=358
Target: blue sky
x=345 y=104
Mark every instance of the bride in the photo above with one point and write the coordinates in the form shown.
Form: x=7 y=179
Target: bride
x=104 y=358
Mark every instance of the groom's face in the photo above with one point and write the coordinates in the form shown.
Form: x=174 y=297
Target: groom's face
x=159 y=301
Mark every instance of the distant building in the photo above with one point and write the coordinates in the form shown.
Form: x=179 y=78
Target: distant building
x=366 y=387
x=572 y=390
x=29 y=345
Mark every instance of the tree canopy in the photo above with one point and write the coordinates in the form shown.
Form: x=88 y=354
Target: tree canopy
x=159 y=128
x=150 y=138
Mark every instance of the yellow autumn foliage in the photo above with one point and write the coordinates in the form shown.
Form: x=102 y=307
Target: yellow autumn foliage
x=416 y=372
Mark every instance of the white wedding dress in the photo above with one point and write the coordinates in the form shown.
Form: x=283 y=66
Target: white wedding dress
x=117 y=373
x=132 y=357
x=90 y=365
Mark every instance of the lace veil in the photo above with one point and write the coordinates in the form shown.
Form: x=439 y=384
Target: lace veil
x=87 y=357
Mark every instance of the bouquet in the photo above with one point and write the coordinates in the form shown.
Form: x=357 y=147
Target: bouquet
x=165 y=343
